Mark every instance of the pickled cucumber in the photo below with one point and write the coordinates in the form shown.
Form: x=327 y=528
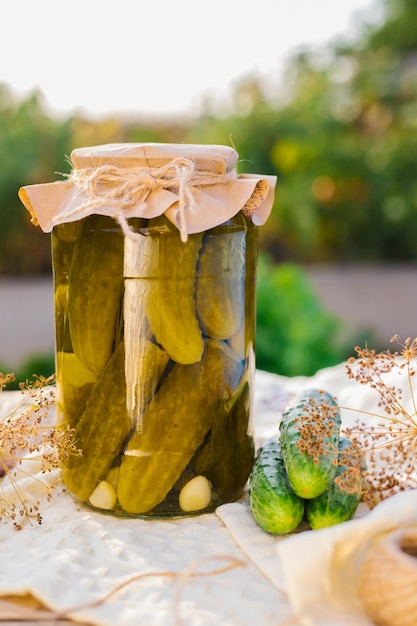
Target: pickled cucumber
x=220 y=283
x=62 y=331
x=175 y=422
x=95 y=291
x=144 y=361
x=68 y=232
x=64 y=237
x=100 y=431
x=228 y=453
x=249 y=325
x=168 y=267
x=143 y=369
x=74 y=385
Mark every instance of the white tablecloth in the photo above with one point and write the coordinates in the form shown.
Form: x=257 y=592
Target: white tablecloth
x=77 y=556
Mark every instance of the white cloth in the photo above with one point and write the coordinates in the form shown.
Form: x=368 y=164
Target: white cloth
x=77 y=556
x=207 y=205
x=319 y=570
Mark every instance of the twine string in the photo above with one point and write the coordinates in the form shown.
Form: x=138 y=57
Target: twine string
x=124 y=187
x=185 y=197
x=181 y=578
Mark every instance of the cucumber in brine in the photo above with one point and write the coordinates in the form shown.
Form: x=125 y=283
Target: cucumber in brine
x=95 y=291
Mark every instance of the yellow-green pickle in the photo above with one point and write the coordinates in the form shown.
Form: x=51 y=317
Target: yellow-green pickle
x=154 y=273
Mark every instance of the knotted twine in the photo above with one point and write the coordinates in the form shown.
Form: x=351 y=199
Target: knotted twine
x=123 y=187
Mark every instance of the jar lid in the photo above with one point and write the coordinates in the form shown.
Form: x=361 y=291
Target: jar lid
x=195 y=186
x=211 y=158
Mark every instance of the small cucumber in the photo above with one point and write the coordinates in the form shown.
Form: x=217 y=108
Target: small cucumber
x=167 y=268
x=220 y=295
x=273 y=503
x=100 y=431
x=74 y=383
x=95 y=291
x=64 y=238
x=340 y=501
x=175 y=423
x=309 y=437
x=226 y=456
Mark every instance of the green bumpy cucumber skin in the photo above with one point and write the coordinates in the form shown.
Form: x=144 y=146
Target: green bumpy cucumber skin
x=95 y=291
x=309 y=438
x=335 y=505
x=272 y=501
x=100 y=431
x=220 y=283
x=169 y=271
x=174 y=424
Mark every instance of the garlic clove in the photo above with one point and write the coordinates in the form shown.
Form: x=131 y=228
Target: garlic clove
x=195 y=495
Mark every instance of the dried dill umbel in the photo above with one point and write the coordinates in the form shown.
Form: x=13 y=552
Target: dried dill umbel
x=316 y=428
x=388 y=437
x=27 y=435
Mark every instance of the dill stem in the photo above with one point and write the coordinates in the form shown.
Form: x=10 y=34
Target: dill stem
x=362 y=412
x=410 y=386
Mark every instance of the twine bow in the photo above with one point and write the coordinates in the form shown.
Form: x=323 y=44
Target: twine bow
x=123 y=188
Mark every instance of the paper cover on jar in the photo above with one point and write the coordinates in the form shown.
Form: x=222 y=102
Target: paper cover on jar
x=196 y=186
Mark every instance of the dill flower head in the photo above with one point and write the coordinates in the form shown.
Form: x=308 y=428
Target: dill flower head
x=28 y=434
x=317 y=428
x=388 y=436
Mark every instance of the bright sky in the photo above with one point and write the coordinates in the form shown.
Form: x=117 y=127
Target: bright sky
x=160 y=56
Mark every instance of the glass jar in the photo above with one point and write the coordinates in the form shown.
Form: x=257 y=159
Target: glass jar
x=154 y=259
x=154 y=362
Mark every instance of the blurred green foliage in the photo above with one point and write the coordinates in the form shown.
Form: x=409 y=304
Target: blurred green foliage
x=295 y=335
x=34 y=365
x=340 y=135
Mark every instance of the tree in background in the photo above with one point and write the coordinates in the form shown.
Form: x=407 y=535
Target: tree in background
x=35 y=148
x=32 y=148
x=345 y=145
x=295 y=335
x=341 y=135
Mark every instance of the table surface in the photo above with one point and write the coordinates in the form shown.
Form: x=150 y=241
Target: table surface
x=186 y=541
x=83 y=544
x=15 y=609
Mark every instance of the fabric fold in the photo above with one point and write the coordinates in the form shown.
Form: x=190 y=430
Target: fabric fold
x=197 y=187
x=318 y=571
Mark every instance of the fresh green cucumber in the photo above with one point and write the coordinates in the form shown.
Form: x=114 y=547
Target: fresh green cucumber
x=340 y=501
x=273 y=503
x=309 y=438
